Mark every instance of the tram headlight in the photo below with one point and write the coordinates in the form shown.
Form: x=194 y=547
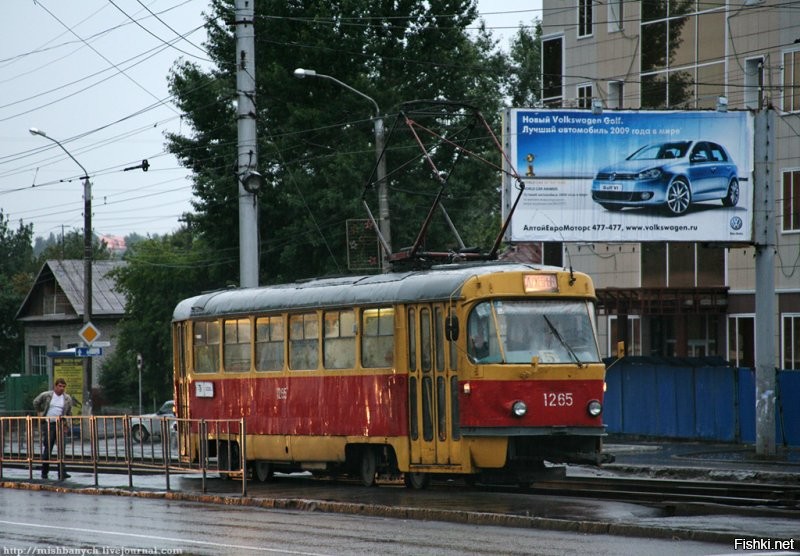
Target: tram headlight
x=594 y=408
x=519 y=408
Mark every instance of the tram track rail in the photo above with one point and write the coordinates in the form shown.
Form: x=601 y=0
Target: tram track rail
x=669 y=491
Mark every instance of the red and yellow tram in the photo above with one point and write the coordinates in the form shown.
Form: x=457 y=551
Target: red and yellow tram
x=482 y=370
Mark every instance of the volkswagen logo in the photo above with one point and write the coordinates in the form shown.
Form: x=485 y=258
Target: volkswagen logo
x=736 y=223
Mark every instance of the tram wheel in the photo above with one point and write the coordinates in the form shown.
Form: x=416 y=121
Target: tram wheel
x=369 y=466
x=262 y=471
x=416 y=481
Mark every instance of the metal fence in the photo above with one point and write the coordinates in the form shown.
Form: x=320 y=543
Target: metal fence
x=117 y=444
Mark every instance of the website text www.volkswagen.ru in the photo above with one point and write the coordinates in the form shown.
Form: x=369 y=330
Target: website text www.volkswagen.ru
x=610 y=228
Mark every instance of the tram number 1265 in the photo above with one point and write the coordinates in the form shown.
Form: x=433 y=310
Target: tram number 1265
x=558 y=399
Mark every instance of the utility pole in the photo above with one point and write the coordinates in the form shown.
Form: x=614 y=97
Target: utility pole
x=764 y=224
x=87 y=270
x=248 y=180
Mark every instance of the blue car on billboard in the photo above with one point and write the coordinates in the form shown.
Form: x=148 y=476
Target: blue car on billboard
x=672 y=175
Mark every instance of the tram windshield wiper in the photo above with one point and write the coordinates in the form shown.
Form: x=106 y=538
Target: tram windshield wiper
x=563 y=342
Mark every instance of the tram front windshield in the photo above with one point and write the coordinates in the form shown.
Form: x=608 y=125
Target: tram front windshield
x=555 y=331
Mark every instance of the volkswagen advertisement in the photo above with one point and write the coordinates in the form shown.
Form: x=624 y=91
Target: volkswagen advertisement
x=630 y=175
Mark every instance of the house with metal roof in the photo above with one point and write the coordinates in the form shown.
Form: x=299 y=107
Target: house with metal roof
x=52 y=313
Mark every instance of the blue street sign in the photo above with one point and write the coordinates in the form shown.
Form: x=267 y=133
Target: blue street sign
x=85 y=351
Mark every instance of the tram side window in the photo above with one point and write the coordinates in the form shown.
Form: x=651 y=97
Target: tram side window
x=339 y=342
x=377 y=338
x=269 y=343
x=236 y=351
x=303 y=342
x=206 y=347
x=437 y=338
x=412 y=340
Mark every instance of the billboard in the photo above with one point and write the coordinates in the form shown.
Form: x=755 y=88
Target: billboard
x=630 y=175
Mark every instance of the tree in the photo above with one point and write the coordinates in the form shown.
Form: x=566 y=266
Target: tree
x=315 y=139
x=69 y=246
x=524 y=76
x=16 y=277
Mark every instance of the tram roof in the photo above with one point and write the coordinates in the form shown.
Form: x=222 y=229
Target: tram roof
x=437 y=283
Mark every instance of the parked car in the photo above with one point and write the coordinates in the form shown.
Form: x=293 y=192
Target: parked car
x=672 y=175
x=145 y=426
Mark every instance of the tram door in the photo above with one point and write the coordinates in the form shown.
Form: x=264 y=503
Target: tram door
x=433 y=400
x=181 y=357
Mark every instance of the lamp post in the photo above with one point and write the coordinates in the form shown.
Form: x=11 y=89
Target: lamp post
x=87 y=266
x=383 y=195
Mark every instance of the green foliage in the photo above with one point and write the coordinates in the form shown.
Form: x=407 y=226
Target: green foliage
x=524 y=78
x=68 y=246
x=16 y=277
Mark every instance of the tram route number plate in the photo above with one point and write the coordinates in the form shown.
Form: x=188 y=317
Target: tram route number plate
x=204 y=389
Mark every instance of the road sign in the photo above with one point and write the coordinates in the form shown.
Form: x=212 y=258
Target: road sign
x=85 y=351
x=89 y=333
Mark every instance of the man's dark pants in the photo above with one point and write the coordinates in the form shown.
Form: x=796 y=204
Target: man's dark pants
x=48 y=441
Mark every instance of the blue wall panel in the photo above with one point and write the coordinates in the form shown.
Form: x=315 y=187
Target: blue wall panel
x=676 y=399
x=666 y=404
x=640 y=413
x=747 y=405
x=788 y=408
x=685 y=402
x=612 y=400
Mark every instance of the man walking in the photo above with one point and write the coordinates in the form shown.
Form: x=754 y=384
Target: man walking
x=53 y=404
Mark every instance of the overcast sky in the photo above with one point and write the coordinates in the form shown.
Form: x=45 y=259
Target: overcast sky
x=90 y=77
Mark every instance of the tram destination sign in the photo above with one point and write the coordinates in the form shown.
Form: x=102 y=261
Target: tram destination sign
x=630 y=175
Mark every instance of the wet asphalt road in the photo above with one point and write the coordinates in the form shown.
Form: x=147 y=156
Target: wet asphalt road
x=49 y=522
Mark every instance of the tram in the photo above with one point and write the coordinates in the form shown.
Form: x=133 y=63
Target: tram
x=484 y=370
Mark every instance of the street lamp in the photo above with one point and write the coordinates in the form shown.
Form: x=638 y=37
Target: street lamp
x=383 y=195
x=87 y=266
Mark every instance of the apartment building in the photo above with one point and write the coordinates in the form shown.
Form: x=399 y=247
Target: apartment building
x=686 y=299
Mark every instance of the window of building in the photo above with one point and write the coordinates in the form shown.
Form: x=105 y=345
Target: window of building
x=206 y=346
x=303 y=341
x=790 y=331
x=339 y=341
x=38 y=358
x=791 y=200
x=682 y=54
x=742 y=340
x=701 y=335
x=791 y=81
x=54 y=300
x=552 y=70
x=584 y=96
x=270 y=336
x=615 y=92
x=553 y=253
x=616 y=15
x=753 y=82
x=682 y=264
x=236 y=350
x=56 y=341
x=377 y=337
x=584 y=18
x=633 y=342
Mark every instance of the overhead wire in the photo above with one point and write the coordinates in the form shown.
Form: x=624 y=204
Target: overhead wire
x=100 y=54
